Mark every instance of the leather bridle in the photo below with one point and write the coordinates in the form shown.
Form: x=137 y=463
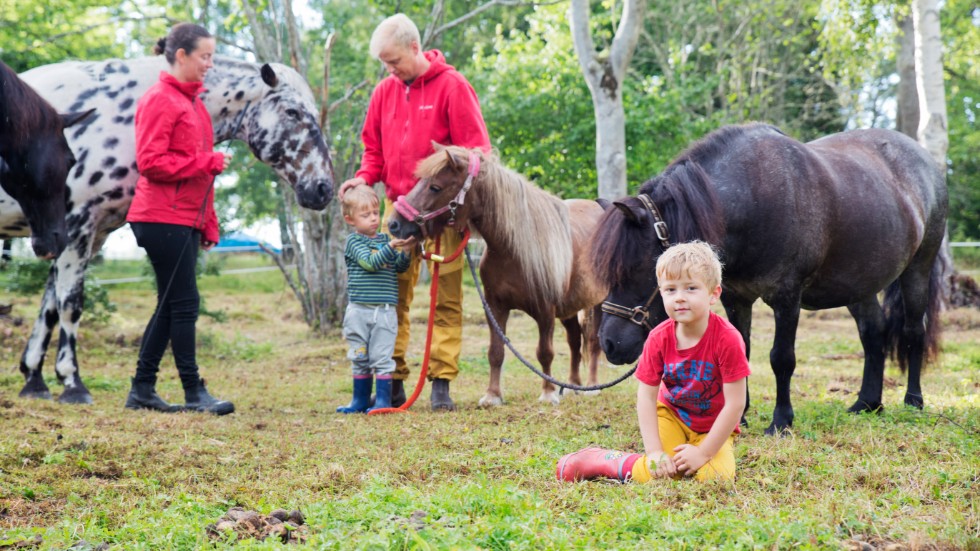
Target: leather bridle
x=420 y=218
x=640 y=315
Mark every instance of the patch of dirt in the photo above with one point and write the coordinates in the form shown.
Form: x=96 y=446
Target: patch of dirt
x=282 y=525
x=24 y=513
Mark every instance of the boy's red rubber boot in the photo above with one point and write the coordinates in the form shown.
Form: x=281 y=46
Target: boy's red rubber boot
x=590 y=463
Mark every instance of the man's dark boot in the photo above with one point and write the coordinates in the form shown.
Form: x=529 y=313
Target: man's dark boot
x=199 y=399
x=143 y=395
x=440 y=396
x=398 y=398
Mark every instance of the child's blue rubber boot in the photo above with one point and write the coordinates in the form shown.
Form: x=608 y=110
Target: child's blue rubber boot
x=362 y=395
x=382 y=392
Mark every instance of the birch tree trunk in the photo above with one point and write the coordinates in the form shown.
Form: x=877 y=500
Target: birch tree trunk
x=933 y=132
x=604 y=73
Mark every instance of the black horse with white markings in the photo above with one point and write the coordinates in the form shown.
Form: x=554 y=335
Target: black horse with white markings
x=270 y=107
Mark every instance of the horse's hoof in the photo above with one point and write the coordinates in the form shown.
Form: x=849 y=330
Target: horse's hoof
x=773 y=430
x=36 y=389
x=914 y=401
x=587 y=392
x=35 y=395
x=865 y=407
x=491 y=401
x=76 y=395
x=550 y=397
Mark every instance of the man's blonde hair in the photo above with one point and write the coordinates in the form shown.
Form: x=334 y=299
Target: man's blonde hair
x=358 y=198
x=695 y=259
x=395 y=30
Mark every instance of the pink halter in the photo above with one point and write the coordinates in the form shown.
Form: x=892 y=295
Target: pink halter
x=404 y=208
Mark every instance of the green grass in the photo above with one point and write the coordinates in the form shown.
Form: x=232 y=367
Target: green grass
x=474 y=478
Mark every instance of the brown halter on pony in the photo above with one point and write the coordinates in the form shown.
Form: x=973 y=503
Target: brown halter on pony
x=640 y=315
x=419 y=219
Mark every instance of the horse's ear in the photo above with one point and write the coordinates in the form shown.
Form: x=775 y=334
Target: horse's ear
x=453 y=161
x=269 y=76
x=71 y=119
x=436 y=146
x=604 y=203
x=627 y=212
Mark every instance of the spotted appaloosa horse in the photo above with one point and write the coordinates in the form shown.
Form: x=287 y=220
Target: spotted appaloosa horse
x=536 y=258
x=824 y=224
x=270 y=107
x=34 y=164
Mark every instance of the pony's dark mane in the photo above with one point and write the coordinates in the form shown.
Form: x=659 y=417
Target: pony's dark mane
x=21 y=108
x=686 y=199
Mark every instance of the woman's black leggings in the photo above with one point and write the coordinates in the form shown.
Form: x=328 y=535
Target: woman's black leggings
x=173 y=252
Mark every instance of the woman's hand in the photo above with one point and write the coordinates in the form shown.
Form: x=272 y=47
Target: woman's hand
x=207 y=245
x=225 y=163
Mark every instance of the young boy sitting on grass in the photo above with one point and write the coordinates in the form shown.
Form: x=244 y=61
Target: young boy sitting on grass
x=692 y=383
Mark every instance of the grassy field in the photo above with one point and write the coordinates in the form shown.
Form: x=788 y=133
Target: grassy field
x=101 y=474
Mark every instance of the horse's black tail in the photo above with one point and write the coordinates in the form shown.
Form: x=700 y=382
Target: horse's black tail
x=897 y=342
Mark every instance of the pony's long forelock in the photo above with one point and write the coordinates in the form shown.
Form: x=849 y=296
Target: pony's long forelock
x=532 y=224
x=618 y=248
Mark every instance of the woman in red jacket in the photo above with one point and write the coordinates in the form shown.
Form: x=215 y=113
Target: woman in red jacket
x=172 y=213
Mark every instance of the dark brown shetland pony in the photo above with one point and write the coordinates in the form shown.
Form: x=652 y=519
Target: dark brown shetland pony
x=819 y=225
x=535 y=260
x=34 y=162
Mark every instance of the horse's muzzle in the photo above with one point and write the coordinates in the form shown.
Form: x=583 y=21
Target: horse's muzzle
x=403 y=229
x=315 y=195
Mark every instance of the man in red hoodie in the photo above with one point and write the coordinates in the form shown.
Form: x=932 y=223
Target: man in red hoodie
x=422 y=100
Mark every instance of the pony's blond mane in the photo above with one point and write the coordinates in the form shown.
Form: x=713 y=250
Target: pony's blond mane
x=531 y=223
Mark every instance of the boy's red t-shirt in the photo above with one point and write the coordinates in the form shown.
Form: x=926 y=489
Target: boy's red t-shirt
x=692 y=378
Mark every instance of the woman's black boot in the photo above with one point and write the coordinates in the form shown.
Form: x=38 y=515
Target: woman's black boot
x=198 y=399
x=143 y=395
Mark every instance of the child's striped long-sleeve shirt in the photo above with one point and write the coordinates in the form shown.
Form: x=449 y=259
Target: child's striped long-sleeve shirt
x=372 y=268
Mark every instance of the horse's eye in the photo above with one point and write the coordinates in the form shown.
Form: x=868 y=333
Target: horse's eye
x=434 y=188
x=292 y=113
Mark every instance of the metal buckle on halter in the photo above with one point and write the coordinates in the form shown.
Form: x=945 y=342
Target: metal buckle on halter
x=661 y=228
x=639 y=316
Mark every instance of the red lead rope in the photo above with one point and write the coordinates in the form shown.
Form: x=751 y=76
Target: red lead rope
x=433 y=294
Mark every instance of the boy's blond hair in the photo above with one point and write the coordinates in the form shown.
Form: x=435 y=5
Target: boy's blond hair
x=358 y=198
x=696 y=259
x=395 y=30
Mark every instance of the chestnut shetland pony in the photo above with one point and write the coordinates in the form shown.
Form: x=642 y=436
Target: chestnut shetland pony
x=818 y=225
x=535 y=260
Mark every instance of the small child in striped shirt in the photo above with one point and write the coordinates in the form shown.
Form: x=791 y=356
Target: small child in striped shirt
x=370 y=323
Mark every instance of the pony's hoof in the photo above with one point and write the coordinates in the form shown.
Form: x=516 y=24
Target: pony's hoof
x=774 y=430
x=76 y=395
x=865 y=407
x=490 y=401
x=550 y=398
x=587 y=392
x=914 y=401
